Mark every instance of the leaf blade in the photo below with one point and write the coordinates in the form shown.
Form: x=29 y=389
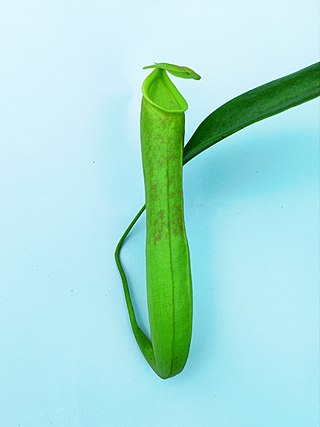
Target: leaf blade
x=255 y=105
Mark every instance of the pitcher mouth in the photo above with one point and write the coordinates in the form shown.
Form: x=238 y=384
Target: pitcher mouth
x=159 y=90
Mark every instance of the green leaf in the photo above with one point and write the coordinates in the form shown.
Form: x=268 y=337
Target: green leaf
x=257 y=104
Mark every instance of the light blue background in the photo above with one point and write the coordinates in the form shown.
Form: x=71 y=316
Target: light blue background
x=71 y=180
